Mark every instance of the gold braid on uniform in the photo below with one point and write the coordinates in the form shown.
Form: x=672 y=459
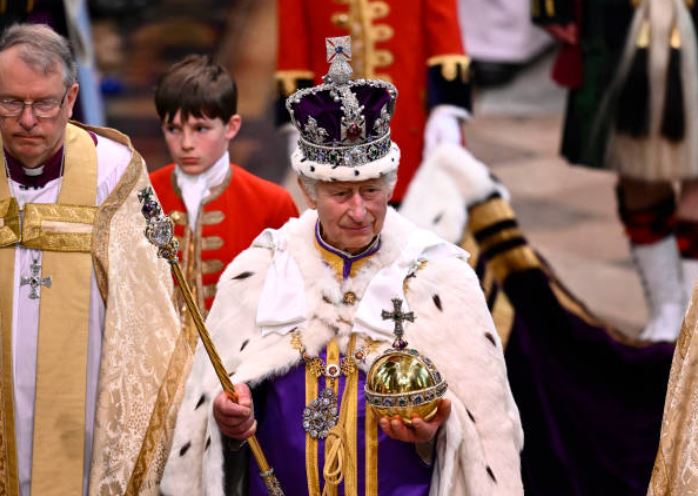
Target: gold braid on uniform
x=501 y=242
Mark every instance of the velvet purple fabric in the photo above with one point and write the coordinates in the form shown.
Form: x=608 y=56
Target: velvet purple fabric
x=279 y=405
x=52 y=170
x=591 y=406
x=327 y=112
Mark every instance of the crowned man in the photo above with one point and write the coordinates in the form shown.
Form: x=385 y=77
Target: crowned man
x=92 y=355
x=309 y=299
x=414 y=44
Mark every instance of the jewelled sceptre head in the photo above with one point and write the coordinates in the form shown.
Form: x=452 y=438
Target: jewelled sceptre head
x=159 y=231
x=402 y=381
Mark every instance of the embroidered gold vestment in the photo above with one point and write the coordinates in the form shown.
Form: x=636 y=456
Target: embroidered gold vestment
x=144 y=357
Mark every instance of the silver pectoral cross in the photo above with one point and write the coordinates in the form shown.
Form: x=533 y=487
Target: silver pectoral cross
x=35 y=280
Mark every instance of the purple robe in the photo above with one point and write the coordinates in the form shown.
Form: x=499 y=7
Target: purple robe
x=279 y=405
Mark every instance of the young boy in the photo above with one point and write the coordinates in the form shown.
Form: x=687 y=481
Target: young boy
x=218 y=207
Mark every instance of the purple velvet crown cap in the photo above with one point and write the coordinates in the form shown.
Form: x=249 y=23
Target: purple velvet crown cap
x=326 y=110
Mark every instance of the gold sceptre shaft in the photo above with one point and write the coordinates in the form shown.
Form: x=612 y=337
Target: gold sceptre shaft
x=160 y=232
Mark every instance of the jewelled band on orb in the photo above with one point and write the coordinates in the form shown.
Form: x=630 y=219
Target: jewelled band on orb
x=406 y=399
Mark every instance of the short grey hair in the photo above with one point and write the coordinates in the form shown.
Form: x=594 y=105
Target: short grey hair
x=309 y=184
x=41 y=48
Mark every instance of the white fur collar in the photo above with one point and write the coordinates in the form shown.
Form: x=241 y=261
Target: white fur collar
x=283 y=305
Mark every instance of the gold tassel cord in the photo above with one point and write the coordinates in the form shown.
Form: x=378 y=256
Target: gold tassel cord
x=675 y=41
x=643 y=36
x=340 y=446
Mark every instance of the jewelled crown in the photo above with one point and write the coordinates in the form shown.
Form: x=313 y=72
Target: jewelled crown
x=344 y=124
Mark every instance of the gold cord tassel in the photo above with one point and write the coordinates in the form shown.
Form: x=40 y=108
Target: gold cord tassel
x=340 y=445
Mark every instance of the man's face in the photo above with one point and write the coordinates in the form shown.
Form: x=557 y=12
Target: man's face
x=28 y=138
x=196 y=144
x=351 y=213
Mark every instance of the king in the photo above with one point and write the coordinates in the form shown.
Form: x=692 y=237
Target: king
x=299 y=318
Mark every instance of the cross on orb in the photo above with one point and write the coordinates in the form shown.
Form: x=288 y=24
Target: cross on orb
x=398 y=317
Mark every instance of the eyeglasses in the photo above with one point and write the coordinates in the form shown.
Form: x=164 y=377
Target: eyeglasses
x=45 y=108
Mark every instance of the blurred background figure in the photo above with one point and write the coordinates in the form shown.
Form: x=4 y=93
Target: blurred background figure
x=71 y=19
x=590 y=397
x=500 y=37
x=633 y=108
x=414 y=44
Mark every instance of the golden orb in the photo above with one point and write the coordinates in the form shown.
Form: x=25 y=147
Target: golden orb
x=404 y=383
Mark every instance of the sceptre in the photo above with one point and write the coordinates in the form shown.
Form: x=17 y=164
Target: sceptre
x=160 y=232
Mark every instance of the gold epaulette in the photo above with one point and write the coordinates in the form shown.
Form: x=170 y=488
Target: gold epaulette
x=451 y=66
x=288 y=80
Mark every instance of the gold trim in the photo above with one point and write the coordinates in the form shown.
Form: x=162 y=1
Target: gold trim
x=332 y=358
x=514 y=260
x=488 y=213
x=371 y=452
x=503 y=315
x=57 y=464
x=105 y=212
x=212 y=243
x=340 y=19
x=209 y=291
x=212 y=218
x=535 y=9
x=381 y=58
x=179 y=217
x=351 y=398
x=9 y=481
x=406 y=281
x=58 y=227
x=311 y=445
x=381 y=32
x=211 y=266
x=9 y=222
x=378 y=10
x=451 y=64
x=675 y=41
x=500 y=237
x=177 y=372
x=643 y=35
x=289 y=79
x=550 y=8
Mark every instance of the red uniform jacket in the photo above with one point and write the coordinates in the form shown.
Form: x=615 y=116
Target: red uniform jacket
x=230 y=218
x=415 y=44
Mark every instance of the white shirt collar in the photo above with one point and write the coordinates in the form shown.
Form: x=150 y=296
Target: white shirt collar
x=196 y=187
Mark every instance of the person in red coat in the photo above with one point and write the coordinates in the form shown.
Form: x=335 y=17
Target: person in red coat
x=218 y=207
x=632 y=107
x=415 y=44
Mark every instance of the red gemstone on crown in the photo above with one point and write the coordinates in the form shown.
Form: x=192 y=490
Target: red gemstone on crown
x=353 y=131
